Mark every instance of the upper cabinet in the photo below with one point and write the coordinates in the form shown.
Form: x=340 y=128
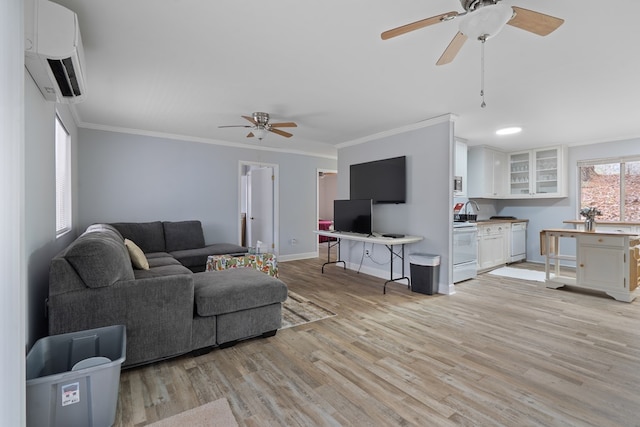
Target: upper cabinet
x=539 y=173
x=487 y=169
x=460 y=173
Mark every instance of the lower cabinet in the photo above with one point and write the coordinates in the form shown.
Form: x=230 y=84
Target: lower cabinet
x=601 y=263
x=493 y=245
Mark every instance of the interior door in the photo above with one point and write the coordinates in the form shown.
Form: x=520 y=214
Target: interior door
x=260 y=225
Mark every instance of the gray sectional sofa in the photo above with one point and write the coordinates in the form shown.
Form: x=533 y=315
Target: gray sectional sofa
x=172 y=307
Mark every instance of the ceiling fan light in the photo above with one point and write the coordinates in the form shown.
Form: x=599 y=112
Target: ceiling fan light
x=512 y=130
x=260 y=133
x=485 y=22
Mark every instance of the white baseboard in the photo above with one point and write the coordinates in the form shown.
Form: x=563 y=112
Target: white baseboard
x=294 y=257
x=382 y=274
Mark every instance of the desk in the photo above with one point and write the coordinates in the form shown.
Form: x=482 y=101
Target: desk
x=388 y=242
x=605 y=261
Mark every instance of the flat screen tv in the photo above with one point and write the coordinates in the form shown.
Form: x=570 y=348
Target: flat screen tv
x=352 y=216
x=383 y=181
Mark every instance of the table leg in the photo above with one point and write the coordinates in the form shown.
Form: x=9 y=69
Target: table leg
x=338 y=260
x=391 y=279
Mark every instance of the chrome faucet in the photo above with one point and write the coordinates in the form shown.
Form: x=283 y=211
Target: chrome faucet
x=474 y=204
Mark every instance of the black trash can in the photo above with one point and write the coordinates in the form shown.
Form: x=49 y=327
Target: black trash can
x=425 y=273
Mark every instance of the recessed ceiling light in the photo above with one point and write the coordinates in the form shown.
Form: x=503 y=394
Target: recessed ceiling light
x=509 y=131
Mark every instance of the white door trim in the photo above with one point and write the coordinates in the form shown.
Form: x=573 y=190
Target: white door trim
x=318 y=170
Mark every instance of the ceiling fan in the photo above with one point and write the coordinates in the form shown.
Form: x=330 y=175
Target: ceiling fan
x=481 y=20
x=260 y=126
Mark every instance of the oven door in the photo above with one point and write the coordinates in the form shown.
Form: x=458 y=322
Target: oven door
x=465 y=245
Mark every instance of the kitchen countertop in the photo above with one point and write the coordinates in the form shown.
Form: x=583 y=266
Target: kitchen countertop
x=567 y=232
x=489 y=221
x=610 y=223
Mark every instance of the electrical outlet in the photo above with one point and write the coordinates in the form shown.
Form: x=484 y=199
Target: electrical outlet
x=366 y=252
x=293 y=241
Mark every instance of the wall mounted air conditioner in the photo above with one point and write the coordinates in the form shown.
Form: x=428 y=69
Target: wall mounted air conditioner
x=53 y=51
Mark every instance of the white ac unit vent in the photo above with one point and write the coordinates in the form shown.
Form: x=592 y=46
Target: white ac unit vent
x=53 y=51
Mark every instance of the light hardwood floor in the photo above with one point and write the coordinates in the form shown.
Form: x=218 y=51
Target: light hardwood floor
x=500 y=352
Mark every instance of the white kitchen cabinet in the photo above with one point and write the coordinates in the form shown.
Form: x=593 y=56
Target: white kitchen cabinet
x=601 y=265
x=461 y=168
x=539 y=173
x=493 y=245
x=487 y=173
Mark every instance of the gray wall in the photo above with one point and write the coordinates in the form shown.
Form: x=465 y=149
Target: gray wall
x=549 y=213
x=41 y=243
x=125 y=177
x=426 y=213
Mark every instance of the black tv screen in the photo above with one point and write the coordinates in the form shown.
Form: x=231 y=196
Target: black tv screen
x=352 y=216
x=383 y=181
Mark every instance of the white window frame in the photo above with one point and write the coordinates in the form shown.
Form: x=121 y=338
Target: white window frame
x=594 y=162
x=63 y=178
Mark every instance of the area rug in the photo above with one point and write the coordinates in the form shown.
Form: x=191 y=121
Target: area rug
x=216 y=413
x=519 y=273
x=297 y=310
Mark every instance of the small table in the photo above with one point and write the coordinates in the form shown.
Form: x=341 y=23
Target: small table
x=389 y=242
x=265 y=262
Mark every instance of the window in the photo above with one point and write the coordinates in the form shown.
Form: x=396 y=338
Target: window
x=63 y=179
x=612 y=186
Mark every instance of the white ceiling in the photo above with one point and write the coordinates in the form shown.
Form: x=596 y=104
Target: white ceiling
x=184 y=67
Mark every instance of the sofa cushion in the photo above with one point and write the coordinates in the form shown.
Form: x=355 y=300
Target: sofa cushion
x=158 y=261
x=99 y=259
x=232 y=290
x=183 y=235
x=149 y=236
x=162 y=271
x=138 y=259
x=197 y=258
x=225 y=249
x=151 y=255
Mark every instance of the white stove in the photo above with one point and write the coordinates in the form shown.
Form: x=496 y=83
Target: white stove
x=465 y=251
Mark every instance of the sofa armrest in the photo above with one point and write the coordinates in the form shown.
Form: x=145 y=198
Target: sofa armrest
x=157 y=312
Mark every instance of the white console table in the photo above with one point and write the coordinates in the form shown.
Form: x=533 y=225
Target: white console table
x=377 y=239
x=605 y=261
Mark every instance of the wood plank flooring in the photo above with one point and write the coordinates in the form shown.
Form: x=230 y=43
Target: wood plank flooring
x=500 y=352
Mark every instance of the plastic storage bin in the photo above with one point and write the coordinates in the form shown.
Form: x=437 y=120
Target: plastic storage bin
x=425 y=273
x=73 y=379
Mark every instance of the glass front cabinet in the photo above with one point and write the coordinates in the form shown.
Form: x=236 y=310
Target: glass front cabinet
x=537 y=173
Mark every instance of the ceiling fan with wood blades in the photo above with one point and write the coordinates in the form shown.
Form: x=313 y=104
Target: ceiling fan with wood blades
x=260 y=125
x=481 y=20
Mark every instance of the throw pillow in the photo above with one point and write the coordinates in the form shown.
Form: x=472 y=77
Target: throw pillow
x=137 y=256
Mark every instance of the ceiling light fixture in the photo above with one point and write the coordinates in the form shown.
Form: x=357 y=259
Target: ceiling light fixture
x=485 y=22
x=509 y=131
x=260 y=132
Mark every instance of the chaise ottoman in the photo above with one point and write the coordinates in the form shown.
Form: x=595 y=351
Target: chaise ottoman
x=237 y=304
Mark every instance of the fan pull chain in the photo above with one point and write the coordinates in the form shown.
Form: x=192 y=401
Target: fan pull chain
x=483 y=40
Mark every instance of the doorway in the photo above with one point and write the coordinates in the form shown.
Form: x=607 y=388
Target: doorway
x=326 y=191
x=258 y=200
